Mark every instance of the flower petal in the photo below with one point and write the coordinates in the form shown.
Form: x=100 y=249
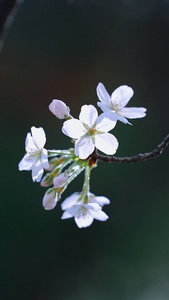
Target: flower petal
x=71 y=212
x=122 y=95
x=39 y=137
x=25 y=163
x=99 y=215
x=83 y=218
x=29 y=143
x=73 y=128
x=102 y=94
x=103 y=106
x=88 y=115
x=104 y=123
x=37 y=172
x=70 y=201
x=84 y=147
x=44 y=158
x=133 y=112
x=106 y=143
x=101 y=200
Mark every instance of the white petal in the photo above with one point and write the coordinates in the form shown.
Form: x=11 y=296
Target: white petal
x=44 y=158
x=133 y=112
x=102 y=94
x=25 y=164
x=73 y=128
x=122 y=95
x=88 y=115
x=100 y=215
x=71 y=212
x=59 y=109
x=37 y=172
x=84 y=147
x=38 y=136
x=101 y=200
x=29 y=143
x=83 y=218
x=106 y=143
x=104 y=123
x=70 y=201
x=103 y=106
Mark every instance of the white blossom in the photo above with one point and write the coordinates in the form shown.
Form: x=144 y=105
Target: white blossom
x=91 y=131
x=84 y=214
x=116 y=103
x=36 y=157
x=50 y=199
x=60 y=180
x=59 y=109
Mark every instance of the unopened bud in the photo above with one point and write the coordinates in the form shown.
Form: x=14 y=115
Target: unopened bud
x=59 y=109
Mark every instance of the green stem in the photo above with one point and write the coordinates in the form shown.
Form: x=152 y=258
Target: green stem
x=86 y=186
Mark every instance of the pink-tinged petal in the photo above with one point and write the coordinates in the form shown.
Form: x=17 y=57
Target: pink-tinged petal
x=25 y=164
x=106 y=143
x=38 y=136
x=44 y=158
x=60 y=180
x=122 y=95
x=88 y=115
x=71 y=212
x=29 y=143
x=59 y=109
x=103 y=106
x=102 y=94
x=84 y=147
x=101 y=200
x=73 y=128
x=37 y=172
x=70 y=201
x=50 y=200
x=104 y=123
x=133 y=112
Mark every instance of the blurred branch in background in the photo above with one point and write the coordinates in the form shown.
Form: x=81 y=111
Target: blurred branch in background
x=8 y=9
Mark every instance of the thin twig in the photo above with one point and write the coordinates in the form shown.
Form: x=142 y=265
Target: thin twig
x=132 y=159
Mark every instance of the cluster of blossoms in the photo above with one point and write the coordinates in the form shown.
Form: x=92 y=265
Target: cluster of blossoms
x=88 y=133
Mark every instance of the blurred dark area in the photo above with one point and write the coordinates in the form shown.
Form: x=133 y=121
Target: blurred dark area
x=63 y=49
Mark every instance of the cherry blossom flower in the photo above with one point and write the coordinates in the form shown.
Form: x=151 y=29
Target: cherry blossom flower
x=59 y=109
x=76 y=198
x=116 y=103
x=36 y=157
x=91 y=131
x=50 y=199
x=84 y=214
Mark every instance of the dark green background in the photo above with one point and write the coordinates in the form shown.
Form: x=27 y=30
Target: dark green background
x=59 y=49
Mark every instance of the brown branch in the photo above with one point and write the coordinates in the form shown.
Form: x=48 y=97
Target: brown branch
x=132 y=159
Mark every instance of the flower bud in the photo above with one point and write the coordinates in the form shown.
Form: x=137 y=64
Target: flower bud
x=50 y=199
x=59 y=109
x=60 y=180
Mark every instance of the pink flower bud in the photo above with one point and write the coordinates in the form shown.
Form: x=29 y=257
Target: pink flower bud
x=50 y=199
x=59 y=109
x=60 y=180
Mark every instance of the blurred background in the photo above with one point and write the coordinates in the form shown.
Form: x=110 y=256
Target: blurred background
x=63 y=49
